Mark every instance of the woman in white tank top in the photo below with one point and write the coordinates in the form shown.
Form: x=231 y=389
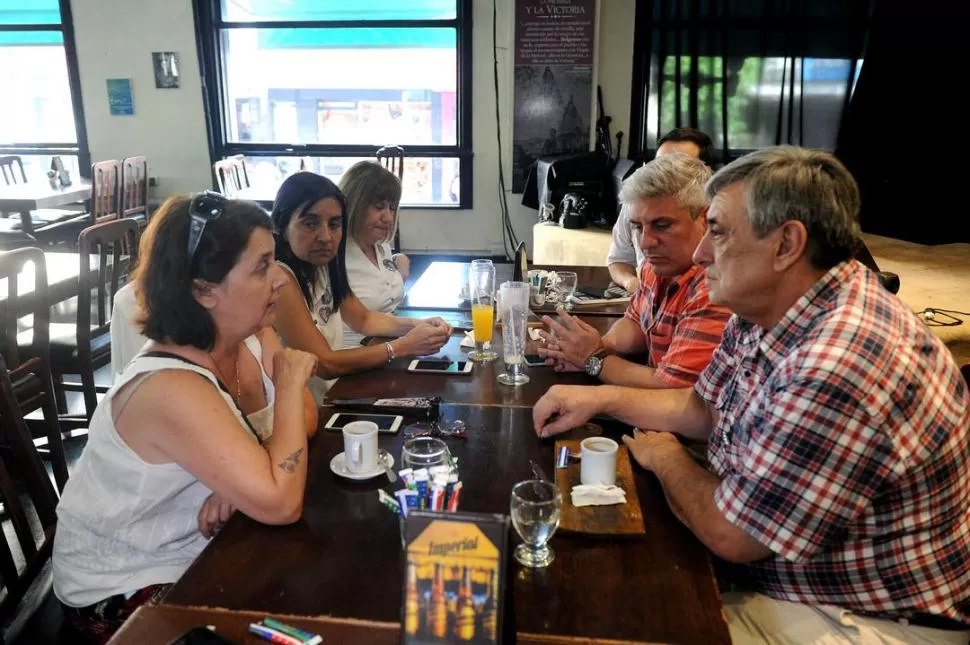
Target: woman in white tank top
x=214 y=388
x=315 y=300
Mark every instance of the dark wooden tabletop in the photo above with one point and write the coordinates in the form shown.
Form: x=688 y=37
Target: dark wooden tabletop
x=343 y=558
x=440 y=287
x=164 y=623
x=480 y=387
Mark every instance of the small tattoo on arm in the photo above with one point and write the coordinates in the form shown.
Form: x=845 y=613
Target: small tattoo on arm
x=290 y=463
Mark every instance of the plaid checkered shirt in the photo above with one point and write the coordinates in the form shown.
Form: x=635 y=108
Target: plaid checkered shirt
x=841 y=442
x=680 y=324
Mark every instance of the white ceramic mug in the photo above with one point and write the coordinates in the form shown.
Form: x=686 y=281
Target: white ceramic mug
x=598 y=464
x=360 y=447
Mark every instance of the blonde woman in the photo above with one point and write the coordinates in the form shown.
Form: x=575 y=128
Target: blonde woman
x=376 y=276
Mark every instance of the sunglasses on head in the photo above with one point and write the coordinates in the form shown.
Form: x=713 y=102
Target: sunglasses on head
x=204 y=207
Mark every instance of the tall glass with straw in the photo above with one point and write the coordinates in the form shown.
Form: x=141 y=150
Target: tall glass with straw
x=514 y=303
x=481 y=293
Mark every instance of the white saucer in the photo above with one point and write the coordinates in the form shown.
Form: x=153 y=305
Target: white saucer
x=339 y=467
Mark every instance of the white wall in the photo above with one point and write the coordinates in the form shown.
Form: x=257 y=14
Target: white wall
x=115 y=39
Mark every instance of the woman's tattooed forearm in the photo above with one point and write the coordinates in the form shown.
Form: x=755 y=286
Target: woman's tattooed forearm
x=290 y=463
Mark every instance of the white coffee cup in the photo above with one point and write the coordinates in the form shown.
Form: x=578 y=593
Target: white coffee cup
x=360 y=446
x=598 y=464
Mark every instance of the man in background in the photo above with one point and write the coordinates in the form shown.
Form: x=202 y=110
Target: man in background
x=626 y=256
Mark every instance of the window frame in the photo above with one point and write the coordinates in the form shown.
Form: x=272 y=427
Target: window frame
x=79 y=149
x=209 y=29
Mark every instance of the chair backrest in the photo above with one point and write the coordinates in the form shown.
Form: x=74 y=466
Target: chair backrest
x=243 y=171
x=116 y=245
x=29 y=501
x=105 y=190
x=12 y=169
x=134 y=186
x=231 y=176
x=16 y=275
x=392 y=158
x=27 y=365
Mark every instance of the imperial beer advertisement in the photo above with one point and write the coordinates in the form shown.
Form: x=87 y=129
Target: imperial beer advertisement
x=453 y=578
x=553 y=80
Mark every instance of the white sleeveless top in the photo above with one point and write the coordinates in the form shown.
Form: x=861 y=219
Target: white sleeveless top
x=122 y=523
x=379 y=288
x=327 y=319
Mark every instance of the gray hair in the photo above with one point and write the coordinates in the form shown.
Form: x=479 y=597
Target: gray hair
x=787 y=183
x=675 y=175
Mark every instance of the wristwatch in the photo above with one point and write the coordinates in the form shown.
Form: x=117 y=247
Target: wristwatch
x=594 y=364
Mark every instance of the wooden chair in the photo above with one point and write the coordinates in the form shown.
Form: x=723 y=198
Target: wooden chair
x=115 y=244
x=134 y=190
x=26 y=349
x=392 y=158
x=105 y=191
x=12 y=168
x=29 y=502
x=243 y=171
x=231 y=175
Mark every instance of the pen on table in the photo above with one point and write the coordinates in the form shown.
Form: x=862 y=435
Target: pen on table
x=273 y=636
x=306 y=637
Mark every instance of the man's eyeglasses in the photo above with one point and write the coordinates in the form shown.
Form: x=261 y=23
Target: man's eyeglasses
x=204 y=207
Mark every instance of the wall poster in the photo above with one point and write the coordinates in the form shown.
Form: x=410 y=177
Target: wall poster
x=553 y=80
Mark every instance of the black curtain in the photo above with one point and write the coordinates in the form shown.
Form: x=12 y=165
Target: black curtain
x=904 y=133
x=751 y=73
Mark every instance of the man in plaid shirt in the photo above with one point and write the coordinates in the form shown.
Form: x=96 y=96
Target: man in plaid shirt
x=671 y=318
x=838 y=424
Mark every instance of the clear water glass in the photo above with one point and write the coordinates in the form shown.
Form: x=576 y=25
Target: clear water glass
x=535 y=508
x=425 y=452
x=567 y=287
x=514 y=305
x=481 y=294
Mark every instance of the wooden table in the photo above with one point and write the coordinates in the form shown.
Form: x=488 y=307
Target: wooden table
x=440 y=287
x=343 y=559
x=62 y=276
x=164 y=623
x=480 y=387
x=23 y=198
x=259 y=194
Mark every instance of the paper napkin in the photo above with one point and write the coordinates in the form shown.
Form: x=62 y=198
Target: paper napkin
x=597 y=495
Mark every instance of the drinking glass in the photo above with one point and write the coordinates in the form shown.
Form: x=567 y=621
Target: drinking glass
x=535 y=508
x=481 y=293
x=567 y=287
x=425 y=452
x=514 y=303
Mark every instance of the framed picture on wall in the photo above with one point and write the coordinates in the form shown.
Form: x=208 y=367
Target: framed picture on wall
x=166 y=67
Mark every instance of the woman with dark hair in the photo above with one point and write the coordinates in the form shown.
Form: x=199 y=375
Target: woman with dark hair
x=211 y=416
x=376 y=276
x=310 y=214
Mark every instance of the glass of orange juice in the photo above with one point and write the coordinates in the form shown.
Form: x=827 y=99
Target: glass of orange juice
x=481 y=293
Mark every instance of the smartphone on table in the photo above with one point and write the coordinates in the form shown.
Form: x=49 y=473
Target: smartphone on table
x=440 y=366
x=534 y=360
x=386 y=423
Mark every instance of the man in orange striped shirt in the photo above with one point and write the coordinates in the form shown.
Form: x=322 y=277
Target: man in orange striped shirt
x=670 y=318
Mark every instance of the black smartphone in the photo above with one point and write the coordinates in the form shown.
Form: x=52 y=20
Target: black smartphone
x=534 y=360
x=592 y=292
x=201 y=636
